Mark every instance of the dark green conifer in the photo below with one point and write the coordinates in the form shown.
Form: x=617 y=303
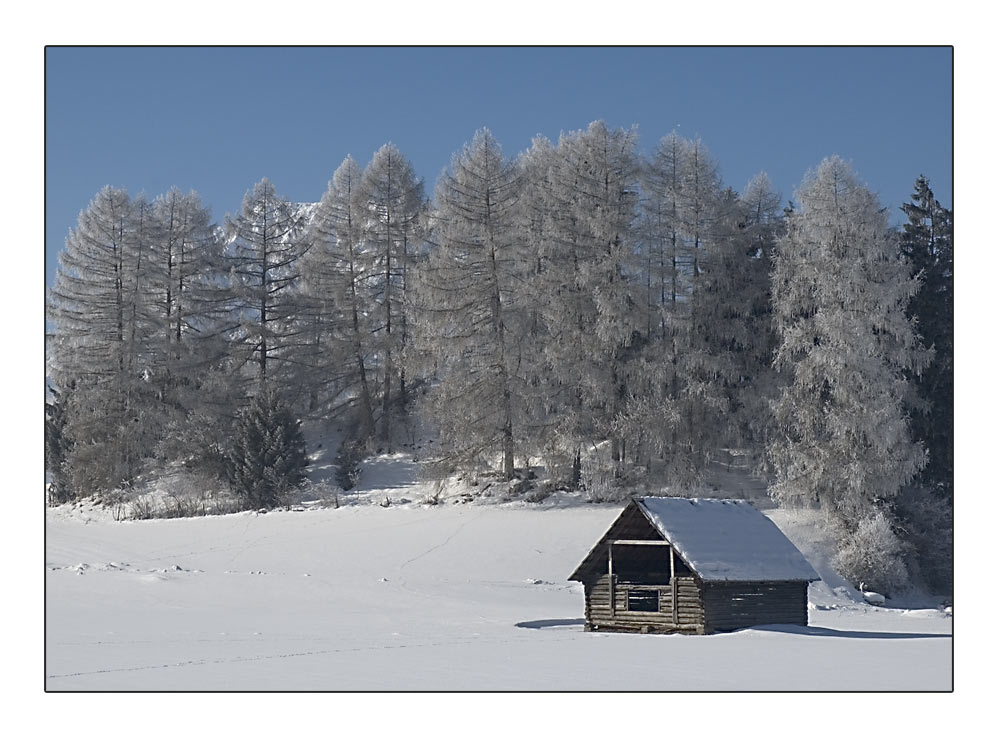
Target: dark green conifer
x=268 y=458
x=57 y=445
x=927 y=243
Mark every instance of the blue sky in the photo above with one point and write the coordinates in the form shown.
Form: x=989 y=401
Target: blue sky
x=217 y=120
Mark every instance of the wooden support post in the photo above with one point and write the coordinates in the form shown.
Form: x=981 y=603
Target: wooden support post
x=673 y=588
x=611 y=579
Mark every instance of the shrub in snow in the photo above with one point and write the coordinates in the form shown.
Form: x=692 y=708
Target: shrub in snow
x=268 y=456
x=607 y=481
x=874 y=554
x=321 y=492
x=198 y=440
x=348 y=462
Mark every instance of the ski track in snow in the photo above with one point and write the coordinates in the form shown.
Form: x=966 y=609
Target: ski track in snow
x=440 y=545
x=476 y=639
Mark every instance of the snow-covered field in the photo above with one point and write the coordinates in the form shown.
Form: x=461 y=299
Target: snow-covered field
x=415 y=597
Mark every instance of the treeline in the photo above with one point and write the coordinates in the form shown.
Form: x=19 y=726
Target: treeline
x=623 y=320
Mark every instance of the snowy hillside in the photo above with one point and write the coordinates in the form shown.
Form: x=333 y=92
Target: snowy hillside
x=419 y=597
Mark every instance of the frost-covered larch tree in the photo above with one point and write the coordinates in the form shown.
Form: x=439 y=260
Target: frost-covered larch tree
x=541 y=405
x=103 y=324
x=666 y=281
x=90 y=302
x=334 y=274
x=265 y=246
x=472 y=304
x=589 y=304
x=713 y=259
x=840 y=296
x=394 y=199
x=679 y=403
x=651 y=415
x=730 y=340
x=188 y=290
x=187 y=279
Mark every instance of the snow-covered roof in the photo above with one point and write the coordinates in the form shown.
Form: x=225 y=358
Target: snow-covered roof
x=726 y=540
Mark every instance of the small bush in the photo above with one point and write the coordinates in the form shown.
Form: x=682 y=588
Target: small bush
x=348 y=462
x=874 y=554
x=322 y=493
x=199 y=439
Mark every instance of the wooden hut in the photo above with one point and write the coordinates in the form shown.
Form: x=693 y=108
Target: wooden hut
x=676 y=565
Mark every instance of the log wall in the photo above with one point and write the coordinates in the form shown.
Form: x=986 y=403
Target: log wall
x=729 y=606
x=599 y=615
x=701 y=607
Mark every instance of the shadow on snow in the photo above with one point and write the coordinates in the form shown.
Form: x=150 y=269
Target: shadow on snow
x=538 y=624
x=813 y=630
x=802 y=630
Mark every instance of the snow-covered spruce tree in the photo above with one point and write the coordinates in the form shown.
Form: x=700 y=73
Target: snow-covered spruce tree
x=334 y=273
x=267 y=460
x=927 y=244
x=470 y=314
x=589 y=257
x=265 y=246
x=394 y=199
x=925 y=509
x=840 y=293
x=103 y=323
